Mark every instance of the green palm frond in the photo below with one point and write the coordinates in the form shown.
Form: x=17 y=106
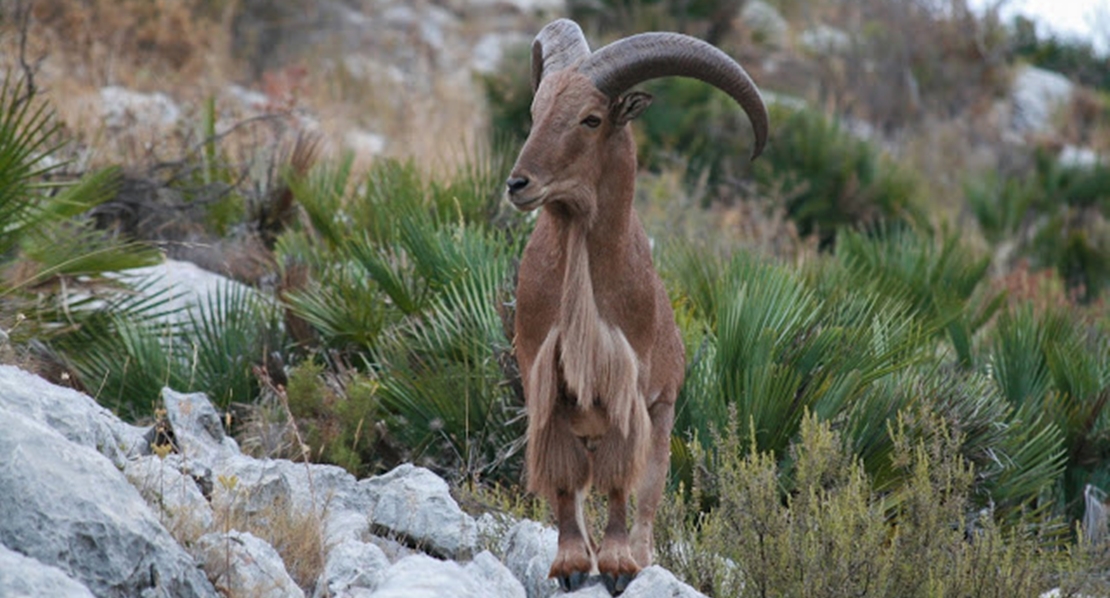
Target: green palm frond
x=66 y=248
x=321 y=193
x=119 y=345
x=1017 y=353
x=27 y=143
x=441 y=371
x=391 y=270
x=230 y=332
x=780 y=350
x=345 y=308
x=473 y=195
x=939 y=277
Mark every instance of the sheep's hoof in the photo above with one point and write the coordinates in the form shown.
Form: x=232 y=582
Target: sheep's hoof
x=572 y=582
x=617 y=584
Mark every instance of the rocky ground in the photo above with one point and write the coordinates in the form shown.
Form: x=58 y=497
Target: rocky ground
x=94 y=506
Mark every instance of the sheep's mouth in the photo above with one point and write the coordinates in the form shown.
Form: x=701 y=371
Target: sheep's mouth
x=526 y=204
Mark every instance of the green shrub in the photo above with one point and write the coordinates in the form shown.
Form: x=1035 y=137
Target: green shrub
x=1053 y=363
x=855 y=340
x=1075 y=59
x=131 y=347
x=826 y=532
x=941 y=278
x=830 y=180
x=337 y=418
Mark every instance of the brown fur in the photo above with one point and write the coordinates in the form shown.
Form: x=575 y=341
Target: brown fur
x=599 y=351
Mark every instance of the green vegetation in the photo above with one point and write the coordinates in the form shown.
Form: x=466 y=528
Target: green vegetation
x=829 y=533
x=1052 y=215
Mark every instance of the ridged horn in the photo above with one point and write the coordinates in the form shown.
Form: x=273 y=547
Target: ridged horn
x=558 y=45
x=626 y=62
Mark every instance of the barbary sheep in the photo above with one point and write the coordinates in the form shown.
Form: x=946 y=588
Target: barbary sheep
x=600 y=355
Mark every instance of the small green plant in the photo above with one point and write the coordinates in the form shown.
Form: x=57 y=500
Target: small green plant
x=939 y=276
x=338 y=417
x=213 y=348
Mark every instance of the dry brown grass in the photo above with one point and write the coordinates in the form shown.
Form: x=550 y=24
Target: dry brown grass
x=296 y=535
x=184 y=49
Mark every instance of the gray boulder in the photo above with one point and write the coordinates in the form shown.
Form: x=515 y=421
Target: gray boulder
x=352 y=566
x=529 y=549
x=421 y=576
x=74 y=415
x=122 y=107
x=68 y=506
x=197 y=427
x=244 y=565
x=494 y=577
x=24 y=577
x=1036 y=96
x=186 y=288
x=416 y=505
x=174 y=495
x=80 y=525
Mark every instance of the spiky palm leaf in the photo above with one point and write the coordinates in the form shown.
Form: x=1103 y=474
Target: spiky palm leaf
x=233 y=330
x=781 y=350
x=117 y=347
x=27 y=142
x=130 y=348
x=441 y=371
x=940 y=277
x=1048 y=364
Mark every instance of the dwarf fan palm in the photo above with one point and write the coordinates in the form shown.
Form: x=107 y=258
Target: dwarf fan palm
x=52 y=288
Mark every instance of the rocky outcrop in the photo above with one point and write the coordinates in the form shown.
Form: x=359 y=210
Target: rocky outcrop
x=90 y=510
x=70 y=507
x=1036 y=97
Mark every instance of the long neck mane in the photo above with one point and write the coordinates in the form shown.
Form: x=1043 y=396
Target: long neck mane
x=598 y=363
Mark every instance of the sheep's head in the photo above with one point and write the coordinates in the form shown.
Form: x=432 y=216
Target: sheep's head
x=580 y=109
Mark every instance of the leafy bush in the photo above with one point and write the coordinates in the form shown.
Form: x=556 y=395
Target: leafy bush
x=337 y=418
x=1054 y=364
x=827 y=532
x=856 y=342
x=53 y=262
x=941 y=279
x=133 y=348
x=831 y=180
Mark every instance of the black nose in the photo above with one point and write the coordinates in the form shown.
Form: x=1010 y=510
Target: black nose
x=516 y=183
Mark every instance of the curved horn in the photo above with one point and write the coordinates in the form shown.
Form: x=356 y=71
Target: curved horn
x=558 y=45
x=632 y=60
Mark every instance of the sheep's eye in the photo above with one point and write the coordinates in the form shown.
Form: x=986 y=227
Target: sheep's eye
x=592 y=121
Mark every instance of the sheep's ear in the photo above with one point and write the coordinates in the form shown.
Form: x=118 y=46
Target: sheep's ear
x=629 y=107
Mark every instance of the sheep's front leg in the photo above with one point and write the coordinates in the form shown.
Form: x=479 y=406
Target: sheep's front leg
x=614 y=560
x=649 y=491
x=575 y=558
